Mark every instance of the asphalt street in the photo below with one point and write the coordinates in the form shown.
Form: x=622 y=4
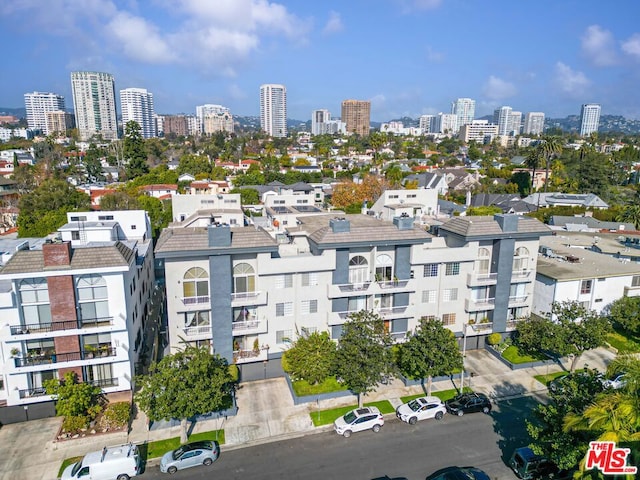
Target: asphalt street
x=398 y=450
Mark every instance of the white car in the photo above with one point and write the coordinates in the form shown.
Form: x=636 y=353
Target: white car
x=616 y=382
x=420 y=409
x=357 y=420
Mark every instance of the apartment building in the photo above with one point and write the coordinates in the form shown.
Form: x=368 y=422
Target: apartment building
x=137 y=106
x=94 y=104
x=37 y=104
x=273 y=110
x=533 y=123
x=480 y=131
x=417 y=203
x=356 y=114
x=589 y=119
x=76 y=303
x=248 y=294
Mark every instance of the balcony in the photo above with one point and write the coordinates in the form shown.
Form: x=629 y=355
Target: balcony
x=31 y=328
x=35 y=359
x=32 y=392
x=478 y=304
x=394 y=286
x=201 y=300
x=393 y=312
x=249 y=356
x=481 y=279
x=247 y=299
x=348 y=289
x=483 y=327
x=513 y=324
x=249 y=327
x=518 y=300
x=632 y=291
x=522 y=276
x=197 y=330
x=104 y=382
x=338 y=318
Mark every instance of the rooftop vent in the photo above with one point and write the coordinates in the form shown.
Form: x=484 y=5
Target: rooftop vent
x=340 y=225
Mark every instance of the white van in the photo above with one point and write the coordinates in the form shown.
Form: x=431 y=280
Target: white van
x=112 y=463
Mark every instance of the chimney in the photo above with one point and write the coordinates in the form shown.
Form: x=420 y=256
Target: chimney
x=219 y=235
x=57 y=254
x=403 y=222
x=507 y=223
x=340 y=225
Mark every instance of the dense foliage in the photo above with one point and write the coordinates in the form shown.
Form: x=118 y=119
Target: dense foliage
x=310 y=358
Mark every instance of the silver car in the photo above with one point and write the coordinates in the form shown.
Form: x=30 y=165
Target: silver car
x=190 y=455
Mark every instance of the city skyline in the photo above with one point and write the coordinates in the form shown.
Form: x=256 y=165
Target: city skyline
x=407 y=57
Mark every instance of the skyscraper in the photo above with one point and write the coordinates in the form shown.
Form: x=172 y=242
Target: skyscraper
x=515 y=123
x=37 y=105
x=589 y=119
x=94 y=104
x=318 y=120
x=273 y=110
x=209 y=109
x=137 y=105
x=533 y=123
x=356 y=114
x=464 y=109
x=502 y=118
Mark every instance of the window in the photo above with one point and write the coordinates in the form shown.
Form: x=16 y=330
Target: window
x=197 y=319
x=101 y=374
x=35 y=301
x=355 y=304
x=306 y=331
x=97 y=341
x=284 y=309
x=244 y=314
x=301 y=202
x=517 y=291
x=393 y=196
x=336 y=332
x=400 y=325
x=585 y=286
x=520 y=259
x=635 y=281
x=384 y=268
x=283 y=336
x=37 y=379
x=195 y=283
x=431 y=270
x=284 y=281
x=453 y=268
x=93 y=301
x=586 y=305
x=450 y=295
x=358 y=270
x=449 y=319
x=308 y=306
x=484 y=261
x=134 y=227
x=75 y=235
x=81 y=218
x=43 y=347
x=411 y=195
x=429 y=296
x=244 y=278
x=105 y=217
x=278 y=202
x=309 y=279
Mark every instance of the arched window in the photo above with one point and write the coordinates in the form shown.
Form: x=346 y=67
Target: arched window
x=92 y=297
x=244 y=278
x=358 y=270
x=384 y=268
x=195 y=285
x=484 y=261
x=521 y=259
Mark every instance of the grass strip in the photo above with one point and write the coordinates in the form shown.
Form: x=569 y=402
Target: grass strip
x=327 y=417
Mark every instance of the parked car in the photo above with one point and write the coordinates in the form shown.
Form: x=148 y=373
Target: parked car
x=529 y=466
x=420 y=409
x=616 y=381
x=190 y=455
x=357 y=420
x=459 y=473
x=468 y=403
x=558 y=384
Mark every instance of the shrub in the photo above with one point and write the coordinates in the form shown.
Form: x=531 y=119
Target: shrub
x=74 y=423
x=116 y=415
x=494 y=339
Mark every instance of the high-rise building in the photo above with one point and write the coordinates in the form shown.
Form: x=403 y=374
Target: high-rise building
x=37 y=105
x=59 y=122
x=502 y=118
x=533 y=123
x=137 y=105
x=209 y=109
x=175 y=124
x=589 y=119
x=515 y=123
x=273 y=110
x=94 y=104
x=218 y=122
x=318 y=120
x=427 y=123
x=445 y=123
x=464 y=109
x=356 y=114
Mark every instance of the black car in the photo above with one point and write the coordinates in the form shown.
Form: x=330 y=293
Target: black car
x=459 y=473
x=529 y=466
x=468 y=403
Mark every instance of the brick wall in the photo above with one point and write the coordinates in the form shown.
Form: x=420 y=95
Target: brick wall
x=56 y=254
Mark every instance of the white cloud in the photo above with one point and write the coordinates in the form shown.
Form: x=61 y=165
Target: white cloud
x=433 y=55
x=599 y=47
x=632 y=46
x=236 y=92
x=497 y=89
x=139 y=39
x=570 y=81
x=334 y=24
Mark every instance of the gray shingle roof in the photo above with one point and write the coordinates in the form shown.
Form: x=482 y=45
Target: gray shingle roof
x=488 y=226
x=196 y=238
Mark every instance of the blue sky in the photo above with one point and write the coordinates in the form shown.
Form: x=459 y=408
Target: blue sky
x=409 y=57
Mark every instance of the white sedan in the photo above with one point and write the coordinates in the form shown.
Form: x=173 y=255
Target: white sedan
x=420 y=409
x=357 y=420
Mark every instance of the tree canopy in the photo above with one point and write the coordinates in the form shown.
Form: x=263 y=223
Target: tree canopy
x=310 y=358
x=186 y=384
x=625 y=313
x=134 y=150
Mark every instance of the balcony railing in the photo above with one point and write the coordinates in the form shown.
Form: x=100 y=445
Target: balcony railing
x=518 y=299
x=104 y=382
x=474 y=279
x=32 y=392
x=195 y=300
x=521 y=274
x=348 y=289
x=387 y=284
x=248 y=298
x=64 y=325
x=247 y=356
x=48 y=358
x=387 y=312
x=249 y=326
x=474 y=304
x=481 y=327
x=198 y=330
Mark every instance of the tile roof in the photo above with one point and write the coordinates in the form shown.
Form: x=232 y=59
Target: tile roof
x=196 y=238
x=487 y=226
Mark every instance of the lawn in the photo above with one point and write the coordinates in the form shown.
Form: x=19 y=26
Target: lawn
x=624 y=342
x=545 y=379
x=441 y=394
x=511 y=354
x=326 y=417
x=160 y=447
x=303 y=388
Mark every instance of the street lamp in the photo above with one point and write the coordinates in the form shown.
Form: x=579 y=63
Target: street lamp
x=464 y=354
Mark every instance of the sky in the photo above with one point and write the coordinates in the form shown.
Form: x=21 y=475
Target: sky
x=408 y=57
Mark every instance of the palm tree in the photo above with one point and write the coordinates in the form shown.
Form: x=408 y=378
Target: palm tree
x=630 y=213
x=550 y=147
x=533 y=162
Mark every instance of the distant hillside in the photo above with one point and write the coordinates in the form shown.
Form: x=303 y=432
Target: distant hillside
x=18 y=112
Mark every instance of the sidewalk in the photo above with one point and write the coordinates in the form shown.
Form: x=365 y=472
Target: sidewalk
x=266 y=413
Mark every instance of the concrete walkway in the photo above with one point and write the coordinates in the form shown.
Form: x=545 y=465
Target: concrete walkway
x=266 y=413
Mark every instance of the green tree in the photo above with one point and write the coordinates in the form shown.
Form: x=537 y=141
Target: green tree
x=363 y=353
x=44 y=210
x=625 y=313
x=118 y=201
x=568 y=330
x=194 y=164
x=134 y=151
x=92 y=163
x=248 y=196
x=483 y=210
x=73 y=398
x=160 y=212
x=431 y=351
x=204 y=385
x=533 y=161
x=310 y=358
x=550 y=147
x=631 y=214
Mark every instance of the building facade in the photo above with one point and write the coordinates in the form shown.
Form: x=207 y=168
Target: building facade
x=217 y=122
x=94 y=104
x=247 y=294
x=356 y=114
x=78 y=304
x=59 y=122
x=137 y=105
x=589 y=119
x=273 y=110
x=533 y=123
x=464 y=109
x=480 y=131
x=37 y=105
x=319 y=119
x=175 y=124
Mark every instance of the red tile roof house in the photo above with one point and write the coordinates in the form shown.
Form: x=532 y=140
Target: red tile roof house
x=161 y=191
